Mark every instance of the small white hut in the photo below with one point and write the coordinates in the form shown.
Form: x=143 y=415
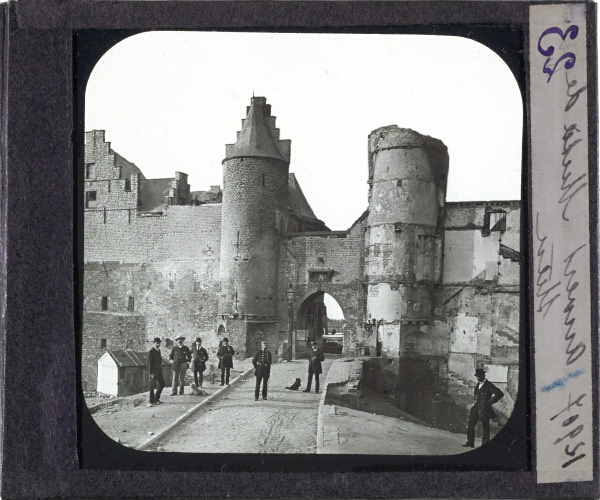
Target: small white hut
x=123 y=372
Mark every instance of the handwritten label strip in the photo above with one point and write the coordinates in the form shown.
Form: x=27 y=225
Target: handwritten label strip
x=561 y=243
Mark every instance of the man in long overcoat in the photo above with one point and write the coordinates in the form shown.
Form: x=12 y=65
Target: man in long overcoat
x=486 y=394
x=180 y=357
x=262 y=362
x=199 y=359
x=225 y=355
x=315 y=357
x=154 y=365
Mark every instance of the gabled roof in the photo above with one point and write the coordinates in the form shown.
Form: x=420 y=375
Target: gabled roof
x=128 y=357
x=127 y=168
x=256 y=139
x=297 y=200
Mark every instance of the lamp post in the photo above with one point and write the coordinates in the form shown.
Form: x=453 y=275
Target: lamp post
x=290 y=297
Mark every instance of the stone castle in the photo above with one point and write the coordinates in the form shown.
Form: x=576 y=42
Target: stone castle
x=430 y=289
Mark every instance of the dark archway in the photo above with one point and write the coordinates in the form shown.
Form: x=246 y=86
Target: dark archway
x=312 y=321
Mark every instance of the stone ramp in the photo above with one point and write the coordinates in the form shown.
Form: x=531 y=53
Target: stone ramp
x=345 y=430
x=349 y=431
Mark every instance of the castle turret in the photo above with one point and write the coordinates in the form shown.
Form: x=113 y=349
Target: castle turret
x=407 y=174
x=255 y=192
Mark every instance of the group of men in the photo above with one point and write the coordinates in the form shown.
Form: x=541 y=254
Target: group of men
x=262 y=363
x=181 y=358
x=486 y=393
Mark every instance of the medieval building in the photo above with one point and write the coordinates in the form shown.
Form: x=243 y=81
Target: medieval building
x=430 y=289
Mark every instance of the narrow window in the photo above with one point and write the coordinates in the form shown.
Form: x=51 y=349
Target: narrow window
x=90 y=170
x=105 y=303
x=263 y=180
x=127 y=184
x=129 y=344
x=90 y=199
x=102 y=343
x=130 y=304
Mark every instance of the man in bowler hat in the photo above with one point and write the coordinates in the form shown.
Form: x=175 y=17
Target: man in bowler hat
x=225 y=355
x=262 y=362
x=486 y=394
x=315 y=356
x=180 y=357
x=154 y=365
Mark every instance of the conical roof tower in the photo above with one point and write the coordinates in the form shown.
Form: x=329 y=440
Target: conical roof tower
x=259 y=138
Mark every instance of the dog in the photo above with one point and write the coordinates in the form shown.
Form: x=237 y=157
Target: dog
x=196 y=391
x=295 y=386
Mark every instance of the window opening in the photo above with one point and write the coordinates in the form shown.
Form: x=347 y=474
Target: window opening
x=90 y=199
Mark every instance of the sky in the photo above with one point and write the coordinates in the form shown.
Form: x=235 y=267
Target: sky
x=170 y=101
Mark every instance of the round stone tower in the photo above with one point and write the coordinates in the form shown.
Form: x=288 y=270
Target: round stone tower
x=407 y=177
x=254 y=208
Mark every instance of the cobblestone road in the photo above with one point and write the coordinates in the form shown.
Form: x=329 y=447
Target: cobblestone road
x=285 y=423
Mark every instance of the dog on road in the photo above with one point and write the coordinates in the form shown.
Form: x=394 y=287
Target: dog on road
x=295 y=386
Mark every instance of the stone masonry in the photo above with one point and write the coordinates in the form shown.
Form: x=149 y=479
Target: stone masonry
x=430 y=286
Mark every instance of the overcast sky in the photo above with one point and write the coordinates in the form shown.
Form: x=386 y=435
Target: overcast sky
x=170 y=101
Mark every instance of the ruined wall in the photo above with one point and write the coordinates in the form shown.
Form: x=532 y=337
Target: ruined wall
x=475 y=322
x=475 y=250
x=404 y=239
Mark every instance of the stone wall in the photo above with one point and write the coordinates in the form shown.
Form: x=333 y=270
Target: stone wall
x=108 y=330
x=254 y=202
x=326 y=263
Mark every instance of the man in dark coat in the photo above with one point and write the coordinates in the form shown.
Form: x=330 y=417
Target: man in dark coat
x=486 y=394
x=315 y=356
x=225 y=355
x=154 y=365
x=199 y=359
x=262 y=362
x=180 y=357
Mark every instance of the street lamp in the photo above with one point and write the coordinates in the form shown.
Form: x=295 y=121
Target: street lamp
x=290 y=297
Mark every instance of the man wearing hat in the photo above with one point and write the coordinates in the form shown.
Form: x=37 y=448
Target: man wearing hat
x=199 y=359
x=180 y=357
x=262 y=362
x=486 y=394
x=225 y=355
x=315 y=356
x=154 y=365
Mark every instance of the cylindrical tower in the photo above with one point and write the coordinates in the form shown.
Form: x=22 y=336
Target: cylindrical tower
x=407 y=174
x=254 y=207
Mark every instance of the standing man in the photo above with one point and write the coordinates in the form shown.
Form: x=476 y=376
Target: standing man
x=225 y=356
x=262 y=362
x=199 y=359
x=154 y=365
x=180 y=357
x=486 y=394
x=315 y=356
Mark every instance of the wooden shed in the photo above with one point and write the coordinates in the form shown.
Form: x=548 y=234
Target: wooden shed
x=123 y=372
